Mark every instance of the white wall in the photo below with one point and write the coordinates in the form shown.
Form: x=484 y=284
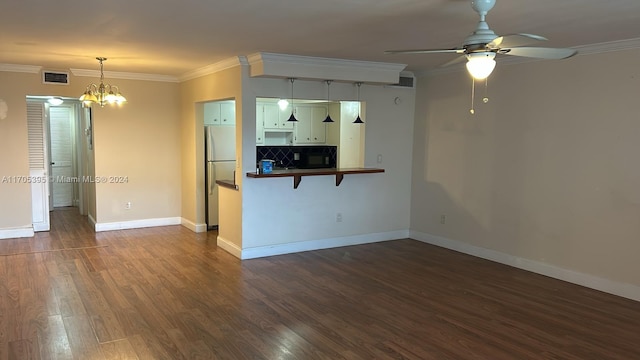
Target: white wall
x=373 y=206
x=546 y=172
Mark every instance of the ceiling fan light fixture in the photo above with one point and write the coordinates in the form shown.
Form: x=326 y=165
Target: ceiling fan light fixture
x=481 y=64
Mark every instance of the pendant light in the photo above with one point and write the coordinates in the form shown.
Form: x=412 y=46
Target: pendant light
x=103 y=93
x=358 y=119
x=292 y=118
x=328 y=119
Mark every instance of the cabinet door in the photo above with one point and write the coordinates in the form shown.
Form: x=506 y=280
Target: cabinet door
x=228 y=113
x=318 y=129
x=212 y=113
x=271 y=116
x=284 y=116
x=259 y=124
x=303 y=126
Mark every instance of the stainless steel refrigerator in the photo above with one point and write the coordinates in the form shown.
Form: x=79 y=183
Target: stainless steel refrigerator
x=220 y=147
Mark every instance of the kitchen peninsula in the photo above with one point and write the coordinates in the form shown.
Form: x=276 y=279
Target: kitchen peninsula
x=297 y=174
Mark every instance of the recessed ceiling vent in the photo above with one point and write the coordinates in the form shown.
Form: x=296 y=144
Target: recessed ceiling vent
x=405 y=82
x=55 y=77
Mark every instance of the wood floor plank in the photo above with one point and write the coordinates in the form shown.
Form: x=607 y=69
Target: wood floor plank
x=54 y=343
x=169 y=293
x=118 y=350
x=82 y=339
x=24 y=349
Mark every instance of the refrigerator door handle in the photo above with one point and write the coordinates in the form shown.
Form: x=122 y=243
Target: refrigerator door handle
x=212 y=177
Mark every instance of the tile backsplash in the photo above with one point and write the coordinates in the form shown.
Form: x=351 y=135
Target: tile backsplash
x=283 y=155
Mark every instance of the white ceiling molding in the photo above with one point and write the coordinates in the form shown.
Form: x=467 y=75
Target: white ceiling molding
x=124 y=75
x=214 y=68
x=591 y=49
x=20 y=68
x=317 y=68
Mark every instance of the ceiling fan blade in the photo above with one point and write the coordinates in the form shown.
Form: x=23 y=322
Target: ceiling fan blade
x=514 y=40
x=539 y=52
x=457 y=60
x=425 y=51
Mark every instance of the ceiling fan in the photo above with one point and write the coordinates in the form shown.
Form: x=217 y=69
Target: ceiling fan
x=481 y=47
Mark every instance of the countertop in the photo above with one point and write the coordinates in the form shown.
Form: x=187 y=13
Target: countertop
x=297 y=174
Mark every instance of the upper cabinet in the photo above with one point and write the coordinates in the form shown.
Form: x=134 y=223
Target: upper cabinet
x=220 y=113
x=272 y=127
x=310 y=129
x=273 y=117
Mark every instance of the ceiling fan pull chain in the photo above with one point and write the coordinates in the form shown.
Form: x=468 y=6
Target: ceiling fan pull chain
x=473 y=94
x=485 y=99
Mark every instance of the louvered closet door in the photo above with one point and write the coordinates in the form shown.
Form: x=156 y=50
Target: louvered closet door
x=38 y=166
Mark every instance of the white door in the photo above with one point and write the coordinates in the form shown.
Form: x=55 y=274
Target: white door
x=61 y=130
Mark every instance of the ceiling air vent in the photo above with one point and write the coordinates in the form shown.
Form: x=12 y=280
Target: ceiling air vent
x=55 y=77
x=405 y=82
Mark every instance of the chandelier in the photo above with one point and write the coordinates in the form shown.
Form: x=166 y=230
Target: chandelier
x=102 y=93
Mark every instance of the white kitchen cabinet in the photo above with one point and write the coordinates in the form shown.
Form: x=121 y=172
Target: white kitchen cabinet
x=220 y=113
x=284 y=116
x=310 y=129
x=259 y=126
x=227 y=113
x=274 y=118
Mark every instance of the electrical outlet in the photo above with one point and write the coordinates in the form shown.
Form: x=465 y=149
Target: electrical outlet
x=339 y=217
x=127 y=205
x=443 y=219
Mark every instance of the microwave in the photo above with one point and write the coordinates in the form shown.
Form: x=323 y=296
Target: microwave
x=315 y=160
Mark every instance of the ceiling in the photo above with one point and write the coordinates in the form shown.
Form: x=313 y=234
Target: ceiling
x=173 y=37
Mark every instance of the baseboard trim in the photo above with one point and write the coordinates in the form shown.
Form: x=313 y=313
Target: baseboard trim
x=628 y=291
x=136 y=224
x=229 y=247
x=92 y=221
x=197 y=228
x=271 y=250
x=12 y=233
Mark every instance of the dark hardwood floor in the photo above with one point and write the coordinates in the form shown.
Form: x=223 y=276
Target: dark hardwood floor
x=167 y=293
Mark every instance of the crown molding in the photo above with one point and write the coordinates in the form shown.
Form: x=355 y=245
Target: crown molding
x=20 y=68
x=591 y=49
x=307 y=67
x=214 y=68
x=124 y=75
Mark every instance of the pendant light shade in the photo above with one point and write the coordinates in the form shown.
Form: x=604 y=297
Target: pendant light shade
x=358 y=119
x=292 y=118
x=328 y=119
x=103 y=93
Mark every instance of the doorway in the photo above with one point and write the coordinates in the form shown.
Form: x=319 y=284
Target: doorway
x=57 y=153
x=62 y=149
